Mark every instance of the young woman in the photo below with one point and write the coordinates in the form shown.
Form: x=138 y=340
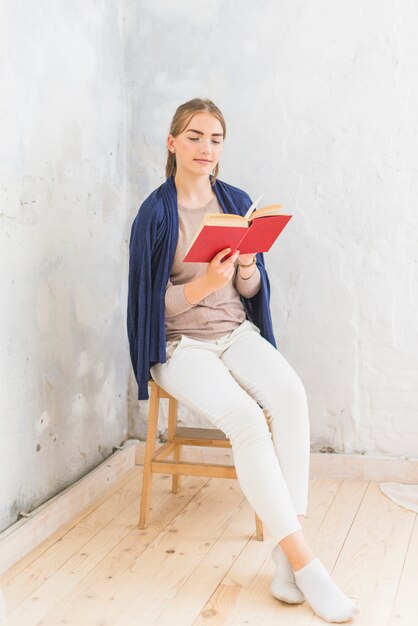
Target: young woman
x=204 y=333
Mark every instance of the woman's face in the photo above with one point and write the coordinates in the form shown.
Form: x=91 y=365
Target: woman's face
x=198 y=148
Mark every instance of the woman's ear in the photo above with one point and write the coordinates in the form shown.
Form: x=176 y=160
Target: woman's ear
x=170 y=143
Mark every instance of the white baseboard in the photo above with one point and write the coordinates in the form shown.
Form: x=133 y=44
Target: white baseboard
x=364 y=467
x=322 y=465
x=28 y=533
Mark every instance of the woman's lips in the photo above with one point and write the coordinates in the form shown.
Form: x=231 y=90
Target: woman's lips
x=202 y=161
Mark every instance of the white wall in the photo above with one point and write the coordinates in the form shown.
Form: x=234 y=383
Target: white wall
x=321 y=105
x=63 y=248
x=320 y=100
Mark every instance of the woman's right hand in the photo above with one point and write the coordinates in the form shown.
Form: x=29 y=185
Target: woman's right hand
x=219 y=273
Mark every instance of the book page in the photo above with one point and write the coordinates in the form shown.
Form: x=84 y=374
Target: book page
x=253 y=207
x=224 y=219
x=271 y=209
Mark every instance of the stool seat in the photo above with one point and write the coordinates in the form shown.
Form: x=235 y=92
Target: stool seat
x=156 y=460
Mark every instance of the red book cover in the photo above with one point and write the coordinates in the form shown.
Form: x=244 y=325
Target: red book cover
x=259 y=236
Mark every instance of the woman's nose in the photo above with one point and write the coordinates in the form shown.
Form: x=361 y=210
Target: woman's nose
x=205 y=146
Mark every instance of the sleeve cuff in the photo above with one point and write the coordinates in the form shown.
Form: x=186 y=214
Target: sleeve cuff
x=176 y=301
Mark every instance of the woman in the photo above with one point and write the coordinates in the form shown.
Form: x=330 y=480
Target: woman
x=204 y=333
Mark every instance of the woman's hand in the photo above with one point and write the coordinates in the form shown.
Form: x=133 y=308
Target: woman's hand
x=246 y=258
x=219 y=272
x=246 y=272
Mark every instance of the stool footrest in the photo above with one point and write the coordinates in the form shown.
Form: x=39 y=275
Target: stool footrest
x=188 y=468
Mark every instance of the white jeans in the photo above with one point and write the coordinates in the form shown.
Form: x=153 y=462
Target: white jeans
x=229 y=381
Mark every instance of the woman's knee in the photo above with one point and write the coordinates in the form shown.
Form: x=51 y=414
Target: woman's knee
x=244 y=419
x=291 y=392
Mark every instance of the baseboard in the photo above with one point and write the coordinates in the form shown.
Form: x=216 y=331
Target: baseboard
x=364 y=467
x=322 y=465
x=28 y=533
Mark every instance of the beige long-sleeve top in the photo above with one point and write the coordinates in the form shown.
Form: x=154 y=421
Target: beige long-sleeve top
x=221 y=311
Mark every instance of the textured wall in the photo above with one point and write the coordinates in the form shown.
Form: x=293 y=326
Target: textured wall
x=63 y=250
x=321 y=105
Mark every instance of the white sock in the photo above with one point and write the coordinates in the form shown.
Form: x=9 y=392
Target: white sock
x=322 y=593
x=283 y=586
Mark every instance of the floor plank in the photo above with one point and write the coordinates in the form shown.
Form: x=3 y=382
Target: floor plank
x=27 y=581
x=369 y=563
x=198 y=562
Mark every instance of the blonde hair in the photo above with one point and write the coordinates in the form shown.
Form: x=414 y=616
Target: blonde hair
x=184 y=113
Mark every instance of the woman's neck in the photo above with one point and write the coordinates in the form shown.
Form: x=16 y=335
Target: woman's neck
x=193 y=191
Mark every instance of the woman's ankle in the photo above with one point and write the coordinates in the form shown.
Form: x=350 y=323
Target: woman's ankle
x=301 y=562
x=298 y=557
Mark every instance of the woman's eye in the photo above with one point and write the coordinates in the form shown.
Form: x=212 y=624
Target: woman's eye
x=197 y=139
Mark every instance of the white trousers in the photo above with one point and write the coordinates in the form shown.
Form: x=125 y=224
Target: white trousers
x=229 y=381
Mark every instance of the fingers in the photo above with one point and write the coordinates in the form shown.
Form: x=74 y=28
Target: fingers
x=221 y=254
x=233 y=258
x=218 y=258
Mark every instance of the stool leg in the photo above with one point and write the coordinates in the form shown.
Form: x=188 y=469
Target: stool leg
x=175 y=481
x=259 y=533
x=172 y=427
x=149 y=454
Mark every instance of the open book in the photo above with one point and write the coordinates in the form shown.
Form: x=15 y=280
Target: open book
x=252 y=233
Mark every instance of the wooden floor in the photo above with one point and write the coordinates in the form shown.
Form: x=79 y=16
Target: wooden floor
x=199 y=563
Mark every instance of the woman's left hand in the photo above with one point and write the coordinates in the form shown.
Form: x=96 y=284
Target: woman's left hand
x=246 y=258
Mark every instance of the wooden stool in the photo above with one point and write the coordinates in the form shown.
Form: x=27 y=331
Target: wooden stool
x=156 y=459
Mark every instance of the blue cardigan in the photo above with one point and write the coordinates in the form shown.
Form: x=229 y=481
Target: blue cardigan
x=152 y=246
